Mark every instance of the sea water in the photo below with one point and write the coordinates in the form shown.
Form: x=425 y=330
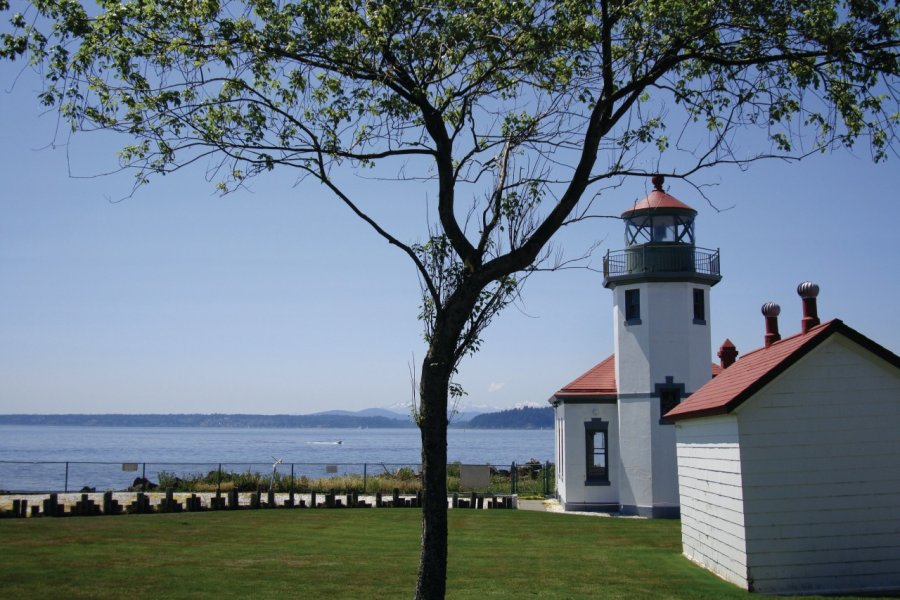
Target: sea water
x=57 y=458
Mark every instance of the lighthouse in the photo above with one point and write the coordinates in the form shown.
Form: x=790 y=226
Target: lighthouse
x=614 y=449
x=660 y=284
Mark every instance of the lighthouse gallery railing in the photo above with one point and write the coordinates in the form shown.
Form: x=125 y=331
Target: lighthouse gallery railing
x=661 y=258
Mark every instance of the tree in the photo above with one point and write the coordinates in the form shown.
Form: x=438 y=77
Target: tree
x=518 y=113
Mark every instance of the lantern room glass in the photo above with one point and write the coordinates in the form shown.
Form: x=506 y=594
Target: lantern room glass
x=659 y=229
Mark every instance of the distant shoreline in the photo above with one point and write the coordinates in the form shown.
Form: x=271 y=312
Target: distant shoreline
x=208 y=420
x=523 y=418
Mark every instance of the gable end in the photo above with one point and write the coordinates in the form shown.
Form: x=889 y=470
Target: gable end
x=725 y=406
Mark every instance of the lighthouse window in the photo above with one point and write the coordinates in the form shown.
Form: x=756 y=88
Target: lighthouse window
x=670 y=395
x=687 y=232
x=668 y=399
x=633 y=307
x=664 y=233
x=597 y=452
x=699 y=307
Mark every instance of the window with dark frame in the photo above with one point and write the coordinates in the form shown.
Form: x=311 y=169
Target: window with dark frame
x=669 y=398
x=633 y=306
x=597 y=452
x=699 y=306
x=670 y=395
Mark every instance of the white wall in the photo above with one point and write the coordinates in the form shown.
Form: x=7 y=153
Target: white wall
x=679 y=347
x=821 y=464
x=667 y=343
x=712 y=519
x=571 y=489
x=559 y=434
x=819 y=451
x=649 y=476
x=635 y=479
x=631 y=344
x=665 y=462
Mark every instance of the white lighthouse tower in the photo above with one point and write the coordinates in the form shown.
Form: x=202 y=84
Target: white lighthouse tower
x=660 y=284
x=614 y=450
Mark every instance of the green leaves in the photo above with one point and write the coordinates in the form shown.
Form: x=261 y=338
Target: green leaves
x=337 y=79
x=501 y=104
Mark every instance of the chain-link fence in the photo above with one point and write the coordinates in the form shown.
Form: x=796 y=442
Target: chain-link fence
x=530 y=479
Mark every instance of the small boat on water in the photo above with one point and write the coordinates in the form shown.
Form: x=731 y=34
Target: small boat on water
x=327 y=443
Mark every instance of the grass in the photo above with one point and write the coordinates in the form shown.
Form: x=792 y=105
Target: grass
x=346 y=554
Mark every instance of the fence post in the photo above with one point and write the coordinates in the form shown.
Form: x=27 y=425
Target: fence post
x=219 y=481
x=547 y=479
x=66 y=485
x=365 y=477
x=513 y=474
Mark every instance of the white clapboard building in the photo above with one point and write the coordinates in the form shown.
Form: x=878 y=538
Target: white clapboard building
x=789 y=463
x=613 y=449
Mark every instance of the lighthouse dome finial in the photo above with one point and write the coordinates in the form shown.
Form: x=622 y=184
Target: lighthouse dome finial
x=658 y=181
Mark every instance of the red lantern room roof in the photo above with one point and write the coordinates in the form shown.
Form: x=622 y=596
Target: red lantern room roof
x=658 y=201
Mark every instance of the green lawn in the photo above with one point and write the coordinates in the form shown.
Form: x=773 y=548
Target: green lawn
x=346 y=554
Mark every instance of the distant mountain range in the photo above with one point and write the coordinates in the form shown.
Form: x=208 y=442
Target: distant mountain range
x=404 y=414
x=373 y=418
x=213 y=420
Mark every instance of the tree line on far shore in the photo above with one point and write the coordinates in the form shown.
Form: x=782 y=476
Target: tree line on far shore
x=517 y=418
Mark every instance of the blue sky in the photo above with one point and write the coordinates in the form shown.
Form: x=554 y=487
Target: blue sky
x=278 y=300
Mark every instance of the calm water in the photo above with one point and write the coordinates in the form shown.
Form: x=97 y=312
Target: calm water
x=199 y=450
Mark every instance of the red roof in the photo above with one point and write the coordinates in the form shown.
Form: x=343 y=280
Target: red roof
x=658 y=200
x=600 y=381
x=757 y=369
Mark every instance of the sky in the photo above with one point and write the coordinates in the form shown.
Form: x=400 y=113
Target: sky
x=276 y=299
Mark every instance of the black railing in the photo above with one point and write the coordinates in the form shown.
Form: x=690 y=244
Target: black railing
x=661 y=258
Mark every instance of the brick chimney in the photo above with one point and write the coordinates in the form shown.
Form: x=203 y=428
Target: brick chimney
x=770 y=311
x=727 y=354
x=808 y=291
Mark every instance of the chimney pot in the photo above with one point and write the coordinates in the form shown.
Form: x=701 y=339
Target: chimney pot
x=727 y=354
x=770 y=311
x=808 y=292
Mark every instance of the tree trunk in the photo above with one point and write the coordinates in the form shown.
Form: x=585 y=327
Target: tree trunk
x=434 y=388
x=432 y=580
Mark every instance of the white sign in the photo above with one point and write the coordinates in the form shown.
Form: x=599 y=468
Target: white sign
x=474 y=476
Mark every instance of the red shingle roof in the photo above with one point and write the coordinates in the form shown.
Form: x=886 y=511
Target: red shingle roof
x=757 y=369
x=600 y=381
